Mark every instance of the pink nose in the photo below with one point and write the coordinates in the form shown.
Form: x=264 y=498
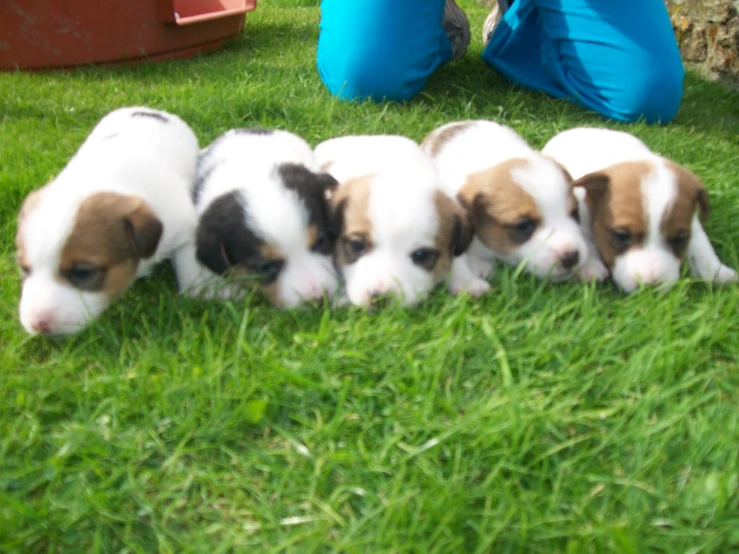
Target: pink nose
x=42 y=324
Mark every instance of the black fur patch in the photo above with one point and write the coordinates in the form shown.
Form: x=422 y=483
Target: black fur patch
x=225 y=241
x=311 y=188
x=153 y=115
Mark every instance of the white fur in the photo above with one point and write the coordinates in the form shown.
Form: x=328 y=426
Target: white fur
x=587 y=150
x=401 y=210
x=485 y=144
x=248 y=163
x=136 y=156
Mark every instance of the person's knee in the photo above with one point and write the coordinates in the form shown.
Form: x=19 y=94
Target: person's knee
x=652 y=92
x=353 y=75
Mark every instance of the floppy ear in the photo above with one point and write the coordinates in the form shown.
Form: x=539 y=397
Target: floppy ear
x=326 y=181
x=462 y=234
x=595 y=184
x=688 y=180
x=210 y=251
x=336 y=217
x=701 y=198
x=477 y=212
x=144 y=230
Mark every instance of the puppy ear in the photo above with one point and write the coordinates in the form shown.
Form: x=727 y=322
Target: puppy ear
x=326 y=181
x=144 y=230
x=336 y=217
x=210 y=251
x=701 y=198
x=461 y=234
x=693 y=187
x=460 y=231
x=595 y=184
x=477 y=210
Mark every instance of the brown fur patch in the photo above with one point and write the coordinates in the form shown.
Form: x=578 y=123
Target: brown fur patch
x=311 y=235
x=495 y=203
x=614 y=199
x=677 y=221
x=112 y=232
x=269 y=251
x=435 y=140
x=272 y=292
x=454 y=234
x=350 y=203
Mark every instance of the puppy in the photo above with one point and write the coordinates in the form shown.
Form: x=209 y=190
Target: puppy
x=520 y=203
x=264 y=218
x=639 y=209
x=397 y=230
x=120 y=206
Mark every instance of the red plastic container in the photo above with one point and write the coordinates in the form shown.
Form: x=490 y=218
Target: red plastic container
x=43 y=34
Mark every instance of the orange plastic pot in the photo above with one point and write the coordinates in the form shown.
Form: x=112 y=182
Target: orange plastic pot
x=42 y=34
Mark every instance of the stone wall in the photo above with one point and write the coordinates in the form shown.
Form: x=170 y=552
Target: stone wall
x=708 y=34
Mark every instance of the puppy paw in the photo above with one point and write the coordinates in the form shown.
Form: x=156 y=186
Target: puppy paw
x=475 y=287
x=481 y=268
x=725 y=275
x=593 y=269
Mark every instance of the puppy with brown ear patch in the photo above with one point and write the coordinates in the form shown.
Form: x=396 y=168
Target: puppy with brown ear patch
x=520 y=202
x=264 y=218
x=397 y=230
x=639 y=209
x=120 y=206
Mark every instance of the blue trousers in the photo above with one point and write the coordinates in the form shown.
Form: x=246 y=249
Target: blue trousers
x=615 y=57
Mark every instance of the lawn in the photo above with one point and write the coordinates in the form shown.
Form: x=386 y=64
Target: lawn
x=542 y=418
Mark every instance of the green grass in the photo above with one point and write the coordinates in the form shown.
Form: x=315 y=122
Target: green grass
x=542 y=418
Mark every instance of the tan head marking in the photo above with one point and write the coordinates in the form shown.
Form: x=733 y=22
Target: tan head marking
x=496 y=203
x=615 y=201
x=111 y=234
x=350 y=204
x=676 y=222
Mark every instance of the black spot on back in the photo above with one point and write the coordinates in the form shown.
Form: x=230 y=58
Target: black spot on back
x=254 y=131
x=224 y=240
x=153 y=115
x=311 y=188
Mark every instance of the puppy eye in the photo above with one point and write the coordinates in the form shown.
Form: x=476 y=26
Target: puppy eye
x=679 y=241
x=322 y=244
x=357 y=246
x=575 y=214
x=425 y=257
x=522 y=230
x=621 y=238
x=25 y=270
x=85 y=277
x=269 y=270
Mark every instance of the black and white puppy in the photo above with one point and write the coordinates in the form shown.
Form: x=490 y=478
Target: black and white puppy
x=263 y=218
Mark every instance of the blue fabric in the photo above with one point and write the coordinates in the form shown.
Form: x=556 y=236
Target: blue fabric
x=617 y=57
x=380 y=49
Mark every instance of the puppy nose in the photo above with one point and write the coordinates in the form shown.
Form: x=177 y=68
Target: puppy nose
x=42 y=325
x=570 y=259
x=378 y=299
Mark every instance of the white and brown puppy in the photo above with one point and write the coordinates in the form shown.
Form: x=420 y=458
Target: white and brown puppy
x=397 y=230
x=264 y=218
x=639 y=209
x=121 y=205
x=520 y=202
